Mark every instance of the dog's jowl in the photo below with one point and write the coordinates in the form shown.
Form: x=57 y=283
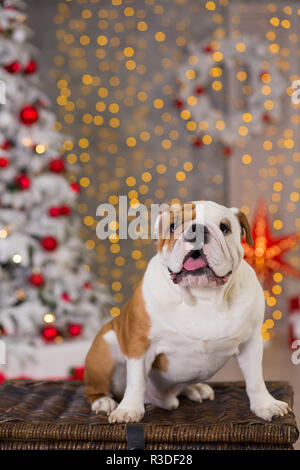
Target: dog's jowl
x=198 y=304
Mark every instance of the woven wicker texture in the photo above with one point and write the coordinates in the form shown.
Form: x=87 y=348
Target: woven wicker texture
x=56 y=415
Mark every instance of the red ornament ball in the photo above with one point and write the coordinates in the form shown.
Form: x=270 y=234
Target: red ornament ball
x=2 y=378
x=75 y=187
x=50 y=333
x=23 y=181
x=294 y=304
x=75 y=330
x=197 y=142
x=227 y=151
x=179 y=104
x=57 y=165
x=199 y=90
x=14 y=67
x=87 y=285
x=3 y=162
x=266 y=117
x=37 y=279
x=29 y=115
x=54 y=211
x=6 y=144
x=208 y=49
x=66 y=297
x=65 y=210
x=77 y=373
x=30 y=67
x=49 y=243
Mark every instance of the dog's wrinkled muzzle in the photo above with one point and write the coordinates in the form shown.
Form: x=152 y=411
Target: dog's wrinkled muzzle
x=198 y=260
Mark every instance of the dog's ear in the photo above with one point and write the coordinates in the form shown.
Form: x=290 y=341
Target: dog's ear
x=245 y=226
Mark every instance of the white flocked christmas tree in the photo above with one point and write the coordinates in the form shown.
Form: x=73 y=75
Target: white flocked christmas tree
x=50 y=304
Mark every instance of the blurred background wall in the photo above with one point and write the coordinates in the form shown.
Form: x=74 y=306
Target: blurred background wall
x=111 y=68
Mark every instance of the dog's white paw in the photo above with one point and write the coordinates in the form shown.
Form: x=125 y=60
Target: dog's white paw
x=105 y=405
x=170 y=403
x=271 y=409
x=198 y=392
x=126 y=415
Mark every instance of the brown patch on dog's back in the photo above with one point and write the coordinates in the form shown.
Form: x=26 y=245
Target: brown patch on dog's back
x=132 y=329
x=99 y=367
x=161 y=363
x=132 y=326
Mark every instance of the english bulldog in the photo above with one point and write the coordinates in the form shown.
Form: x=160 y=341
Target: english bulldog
x=198 y=304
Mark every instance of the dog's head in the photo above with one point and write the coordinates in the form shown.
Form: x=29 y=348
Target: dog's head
x=200 y=242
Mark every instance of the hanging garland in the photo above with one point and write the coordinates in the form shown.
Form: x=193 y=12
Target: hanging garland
x=245 y=66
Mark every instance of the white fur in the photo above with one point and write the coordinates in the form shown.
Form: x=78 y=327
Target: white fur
x=104 y=405
x=198 y=329
x=132 y=406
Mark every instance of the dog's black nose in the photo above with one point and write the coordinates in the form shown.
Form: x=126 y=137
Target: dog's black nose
x=197 y=233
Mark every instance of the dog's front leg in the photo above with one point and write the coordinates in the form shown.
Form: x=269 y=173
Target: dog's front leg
x=250 y=360
x=132 y=408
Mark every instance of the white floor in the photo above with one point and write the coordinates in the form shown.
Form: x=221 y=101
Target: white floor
x=277 y=366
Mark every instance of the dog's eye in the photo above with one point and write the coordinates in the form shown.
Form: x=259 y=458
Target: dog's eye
x=224 y=228
x=172 y=228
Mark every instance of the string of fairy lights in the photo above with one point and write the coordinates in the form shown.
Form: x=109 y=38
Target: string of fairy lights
x=123 y=44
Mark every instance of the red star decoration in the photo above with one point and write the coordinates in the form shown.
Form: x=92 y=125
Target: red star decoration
x=266 y=254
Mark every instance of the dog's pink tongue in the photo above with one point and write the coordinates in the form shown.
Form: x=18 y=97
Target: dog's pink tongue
x=191 y=264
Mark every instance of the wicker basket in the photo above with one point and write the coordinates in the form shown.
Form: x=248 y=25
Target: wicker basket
x=55 y=415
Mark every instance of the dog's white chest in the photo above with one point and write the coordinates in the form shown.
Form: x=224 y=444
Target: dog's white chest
x=197 y=343
x=197 y=339
x=188 y=359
